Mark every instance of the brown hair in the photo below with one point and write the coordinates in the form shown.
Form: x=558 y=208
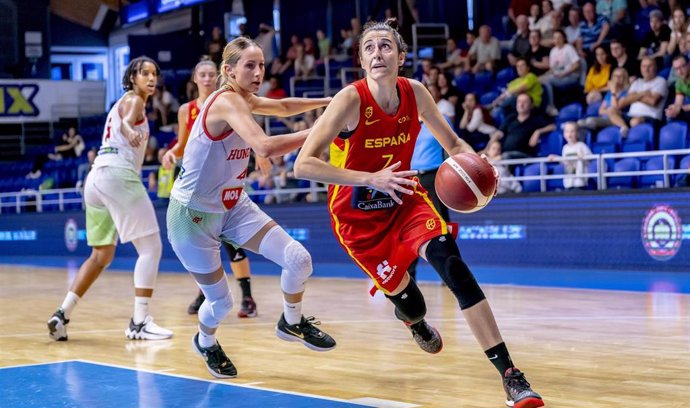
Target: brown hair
x=390 y=25
x=232 y=53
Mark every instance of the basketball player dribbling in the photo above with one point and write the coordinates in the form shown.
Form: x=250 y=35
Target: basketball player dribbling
x=117 y=204
x=379 y=213
x=204 y=76
x=208 y=204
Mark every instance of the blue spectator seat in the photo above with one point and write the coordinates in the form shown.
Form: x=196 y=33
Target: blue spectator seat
x=665 y=72
x=592 y=109
x=673 y=136
x=593 y=167
x=504 y=76
x=555 y=184
x=657 y=180
x=533 y=169
x=569 y=113
x=640 y=138
x=74 y=196
x=50 y=202
x=551 y=144
x=609 y=136
x=487 y=98
x=684 y=165
x=626 y=164
x=9 y=205
x=463 y=82
x=483 y=82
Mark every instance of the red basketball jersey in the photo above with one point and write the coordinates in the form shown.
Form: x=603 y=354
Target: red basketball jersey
x=381 y=236
x=192 y=114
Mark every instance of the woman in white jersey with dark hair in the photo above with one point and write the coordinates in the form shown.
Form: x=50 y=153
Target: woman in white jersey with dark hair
x=204 y=76
x=117 y=205
x=208 y=204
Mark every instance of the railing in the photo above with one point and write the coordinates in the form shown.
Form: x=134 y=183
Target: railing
x=37 y=199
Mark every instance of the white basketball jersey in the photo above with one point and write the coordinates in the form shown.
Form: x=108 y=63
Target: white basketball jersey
x=213 y=168
x=115 y=149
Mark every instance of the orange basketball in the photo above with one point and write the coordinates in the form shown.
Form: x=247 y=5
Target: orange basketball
x=465 y=182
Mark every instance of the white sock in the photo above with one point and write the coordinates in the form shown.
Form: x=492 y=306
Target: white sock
x=69 y=303
x=292 y=312
x=206 y=340
x=141 y=308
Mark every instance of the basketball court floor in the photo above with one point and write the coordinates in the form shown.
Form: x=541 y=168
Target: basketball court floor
x=579 y=348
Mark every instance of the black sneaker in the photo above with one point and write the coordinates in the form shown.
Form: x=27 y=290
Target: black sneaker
x=217 y=363
x=193 y=307
x=248 y=308
x=518 y=391
x=57 y=323
x=427 y=337
x=305 y=333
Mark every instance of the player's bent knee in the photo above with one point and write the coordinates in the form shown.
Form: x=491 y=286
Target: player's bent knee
x=297 y=268
x=212 y=313
x=409 y=304
x=443 y=254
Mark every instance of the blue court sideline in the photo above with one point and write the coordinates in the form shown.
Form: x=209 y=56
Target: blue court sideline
x=88 y=385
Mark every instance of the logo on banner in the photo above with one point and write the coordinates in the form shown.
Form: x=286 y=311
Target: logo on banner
x=662 y=232
x=71 y=235
x=17 y=100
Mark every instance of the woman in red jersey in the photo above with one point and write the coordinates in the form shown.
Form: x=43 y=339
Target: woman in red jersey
x=205 y=75
x=380 y=215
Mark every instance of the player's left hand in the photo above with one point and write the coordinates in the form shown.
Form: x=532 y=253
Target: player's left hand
x=264 y=165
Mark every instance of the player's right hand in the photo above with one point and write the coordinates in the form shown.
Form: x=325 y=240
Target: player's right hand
x=169 y=160
x=390 y=181
x=137 y=137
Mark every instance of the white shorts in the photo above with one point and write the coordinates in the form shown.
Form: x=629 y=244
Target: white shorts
x=117 y=203
x=196 y=236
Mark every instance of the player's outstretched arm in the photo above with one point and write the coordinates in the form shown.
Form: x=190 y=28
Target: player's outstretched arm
x=286 y=106
x=130 y=110
x=438 y=125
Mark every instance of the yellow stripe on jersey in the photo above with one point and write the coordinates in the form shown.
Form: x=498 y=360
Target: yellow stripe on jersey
x=338 y=156
x=444 y=225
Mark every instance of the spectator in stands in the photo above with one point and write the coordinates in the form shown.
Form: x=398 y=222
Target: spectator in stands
x=520 y=41
x=72 y=146
x=572 y=31
x=564 y=70
x=561 y=5
x=573 y=154
x=425 y=74
x=265 y=39
x=556 y=24
x=444 y=106
x=621 y=59
x=615 y=11
x=275 y=90
x=679 y=30
x=84 y=168
x=494 y=154
x=485 y=52
x=646 y=95
x=534 y=16
x=610 y=112
x=280 y=65
x=545 y=24
x=214 y=46
x=324 y=44
x=450 y=93
x=537 y=55
x=304 y=62
x=526 y=82
x=598 y=76
x=593 y=31
x=516 y=8
x=166 y=105
x=680 y=109
x=655 y=42
x=684 y=46
x=519 y=134
x=453 y=56
x=475 y=124
x=345 y=42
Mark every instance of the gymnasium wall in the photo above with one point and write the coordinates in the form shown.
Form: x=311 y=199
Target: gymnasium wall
x=631 y=231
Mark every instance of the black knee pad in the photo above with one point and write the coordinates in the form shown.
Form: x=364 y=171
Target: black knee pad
x=443 y=254
x=235 y=254
x=409 y=304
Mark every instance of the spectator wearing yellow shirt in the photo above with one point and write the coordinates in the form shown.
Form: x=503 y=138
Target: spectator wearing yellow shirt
x=598 y=76
x=526 y=82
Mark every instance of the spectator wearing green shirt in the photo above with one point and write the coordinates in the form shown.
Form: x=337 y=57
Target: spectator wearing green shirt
x=680 y=109
x=526 y=82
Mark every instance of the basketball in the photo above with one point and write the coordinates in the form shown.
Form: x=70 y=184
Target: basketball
x=465 y=182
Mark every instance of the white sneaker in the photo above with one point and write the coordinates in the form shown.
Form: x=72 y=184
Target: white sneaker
x=57 y=323
x=147 y=330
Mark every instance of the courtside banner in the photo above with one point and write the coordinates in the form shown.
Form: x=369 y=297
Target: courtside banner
x=44 y=101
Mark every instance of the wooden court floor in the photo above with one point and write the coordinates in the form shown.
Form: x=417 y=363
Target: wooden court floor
x=579 y=348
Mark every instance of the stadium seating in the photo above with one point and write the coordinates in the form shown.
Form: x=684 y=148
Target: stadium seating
x=487 y=98
x=569 y=113
x=531 y=185
x=504 y=76
x=673 y=136
x=656 y=163
x=555 y=184
x=640 y=138
x=592 y=109
x=609 y=136
x=551 y=144
x=622 y=165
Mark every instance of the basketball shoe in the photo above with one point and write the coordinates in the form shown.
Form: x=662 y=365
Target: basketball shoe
x=217 y=362
x=518 y=391
x=193 y=307
x=248 y=308
x=147 y=330
x=306 y=333
x=427 y=337
x=57 y=326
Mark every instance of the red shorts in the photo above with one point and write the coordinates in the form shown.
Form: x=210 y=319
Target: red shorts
x=384 y=243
